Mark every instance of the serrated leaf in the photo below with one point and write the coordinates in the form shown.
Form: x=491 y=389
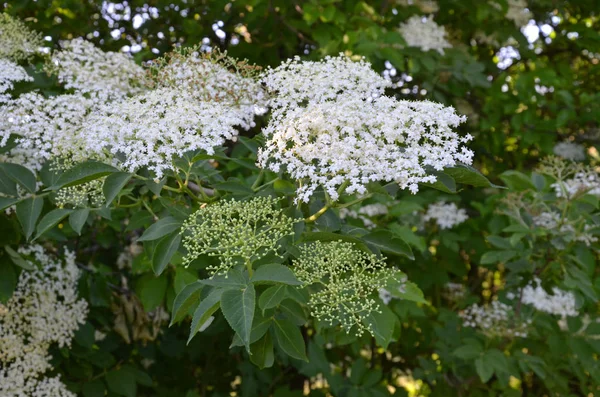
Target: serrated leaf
x=443 y=183
x=468 y=175
x=205 y=309
x=260 y=325
x=290 y=339
x=113 y=184
x=271 y=297
x=238 y=308
x=6 y=202
x=262 y=352
x=28 y=212
x=164 y=251
x=232 y=280
x=274 y=273
x=381 y=325
x=484 y=369
x=185 y=300
x=78 y=218
x=21 y=175
x=161 y=228
x=51 y=219
x=82 y=173
x=387 y=243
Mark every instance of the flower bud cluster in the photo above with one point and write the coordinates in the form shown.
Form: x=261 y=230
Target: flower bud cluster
x=235 y=230
x=44 y=310
x=17 y=41
x=345 y=281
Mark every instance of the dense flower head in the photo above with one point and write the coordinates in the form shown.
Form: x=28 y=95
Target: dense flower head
x=584 y=182
x=86 y=69
x=209 y=77
x=561 y=303
x=297 y=83
x=43 y=310
x=235 y=230
x=350 y=142
x=150 y=129
x=47 y=128
x=495 y=320
x=424 y=33
x=345 y=279
x=17 y=41
x=518 y=12
x=446 y=215
x=570 y=151
x=10 y=73
x=553 y=223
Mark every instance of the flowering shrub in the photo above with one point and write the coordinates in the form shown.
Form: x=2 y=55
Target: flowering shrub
x=177 y=221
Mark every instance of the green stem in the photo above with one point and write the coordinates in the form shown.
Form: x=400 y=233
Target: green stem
x=249 y=267
x=358 y=200
x=317 y=214
x=258 y=180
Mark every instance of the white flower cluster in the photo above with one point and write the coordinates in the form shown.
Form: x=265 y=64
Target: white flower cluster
x=553 y=223
x=445 y=215
x=454 y=291
x=335 y=135
x=365 y=213
x=585 y=181
x=560 y=303
x=43 y=310
x=88 y=70
x=424 y=33
x=10 y=73
x=570 y=151
x=495 y=320
x=17 y=41
x=296 y=83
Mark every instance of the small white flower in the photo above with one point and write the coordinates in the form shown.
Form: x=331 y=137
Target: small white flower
x=425 y=34
x=445 y=215
x=560 y=303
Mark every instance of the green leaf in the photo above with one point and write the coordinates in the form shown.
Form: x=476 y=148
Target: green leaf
x=443 y=183
x=410 y=292
x=293 y=312
x=161 y=228
x=492 y=257
x=82 y=173
x=164 y=251
x=21 y=175
x=122 y=381
x=290 y=339
x=484 y=369
x=17 y=259
x=387 y=243
x=468 y=175
x=260 y=325
x=468 y=352
x=238 y=308
x=327 y=236
x=271 y=297
x=516 y=180
x=94 y=389
x=185 y=300
x=381 y=325
x=274 y=273
x=6 y=202
x=234 y=187
x=51 y=219
x=8 y=279
x=28 y=212
x=152 y=291
x=113 y=184
x=261 y=352
x=78 y=218
x=8 y=185
x=205 y=309
x=232 y=280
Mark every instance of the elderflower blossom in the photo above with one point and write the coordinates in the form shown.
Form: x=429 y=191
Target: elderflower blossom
x=365 y=213
x=495 y=320
x=44 y=310
x=296 y=83
x=88 y=70
x=349 y=142
x=10 y=73
x=425 y=34
x=445 y=215
x=232 y=230
x=582 y=182
x=570 y=151
x=560 y=303
x=17 y=41
x=346 y=279
x=149 y=130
